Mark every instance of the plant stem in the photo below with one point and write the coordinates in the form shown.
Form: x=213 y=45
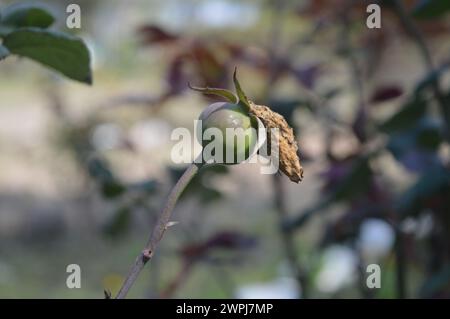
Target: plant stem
x=287 y=237
x=416 y=35
x=401 y=264
x=158 y=231
x=179 y=279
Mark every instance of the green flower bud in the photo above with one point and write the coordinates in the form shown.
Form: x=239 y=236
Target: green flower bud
x=238 y=130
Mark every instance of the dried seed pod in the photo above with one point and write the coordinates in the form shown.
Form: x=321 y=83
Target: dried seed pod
x=289 y=160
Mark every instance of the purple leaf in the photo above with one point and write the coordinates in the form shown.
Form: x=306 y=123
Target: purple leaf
x=152 y=34
x=307 y=75
x=386 y=93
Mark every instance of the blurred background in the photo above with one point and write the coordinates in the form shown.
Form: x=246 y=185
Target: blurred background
x=84 y=170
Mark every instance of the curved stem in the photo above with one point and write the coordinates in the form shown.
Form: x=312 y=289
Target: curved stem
x=158 y=231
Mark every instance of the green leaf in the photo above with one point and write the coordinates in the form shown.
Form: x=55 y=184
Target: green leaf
x=427 y=134
x=25 y=15
x=407 y=117
x=428 y=9
x=4 y=52
x=230 y=96
x=112 y=188
x=433 y=182
x=148 y=186
x=240 y=93
x=109 y=185
x=119 y=223
x=432 y=77
x=355 y=183
x=436 y=283
x=61 y=52
x=99 y=169
x=416 y=148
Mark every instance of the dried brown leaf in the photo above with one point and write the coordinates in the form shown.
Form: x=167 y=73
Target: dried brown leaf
x=288 y=150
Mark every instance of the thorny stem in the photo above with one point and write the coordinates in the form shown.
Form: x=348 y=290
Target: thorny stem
x=159 y=229
x=419 y=40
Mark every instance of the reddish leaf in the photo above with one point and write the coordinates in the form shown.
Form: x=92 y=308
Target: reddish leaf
x=176 y=75
x=257 y=59
x=209 y=68
x=152 y=34
x=434 y=28
x=386 y=93
x=335 y=174
x=335 y=7
x=307 y=75
x=229 y=240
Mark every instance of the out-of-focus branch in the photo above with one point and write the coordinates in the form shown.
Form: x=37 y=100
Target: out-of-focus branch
x=356 y=72
x=158 y=231
x=401 y=263
x=279 y=192
x=287 y=236
x=419 y=40
x=142 y=100
x=182 y=275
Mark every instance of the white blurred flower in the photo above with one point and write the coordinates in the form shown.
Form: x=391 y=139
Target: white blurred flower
x=338 y=269
x=376 y=238
x=222 y=13
x=106 y=136
x=150 y=134
x=280 y=288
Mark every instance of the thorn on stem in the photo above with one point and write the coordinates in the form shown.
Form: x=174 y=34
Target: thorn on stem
x=147 y=254
x=170 y=224
x=107 y=293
